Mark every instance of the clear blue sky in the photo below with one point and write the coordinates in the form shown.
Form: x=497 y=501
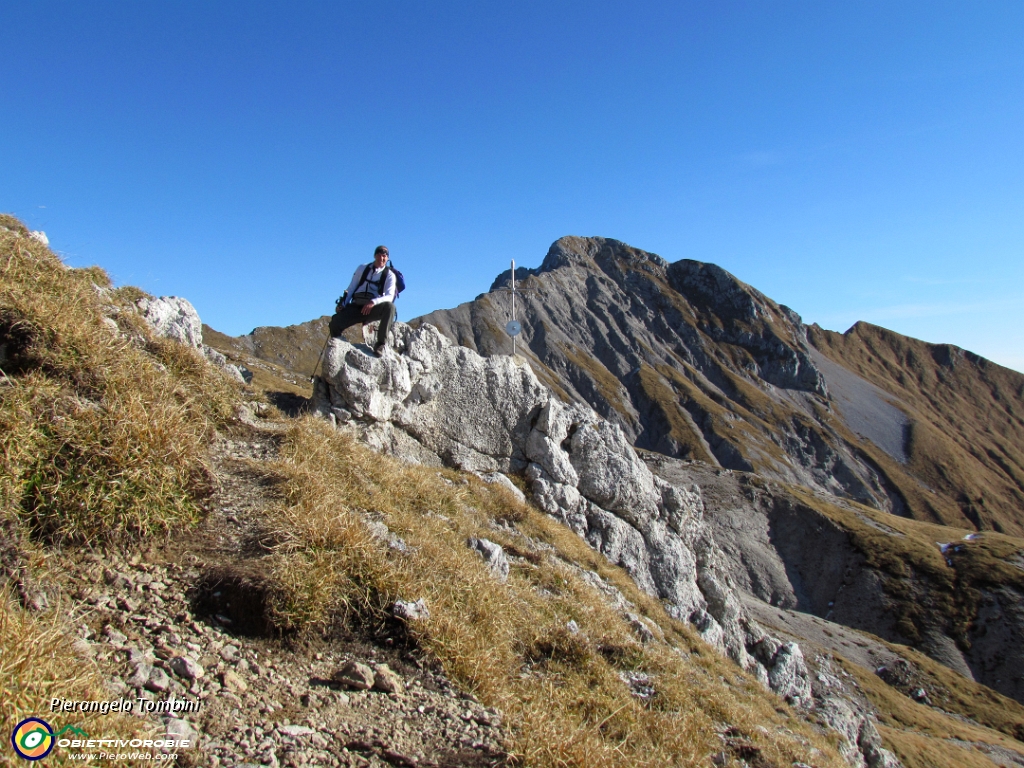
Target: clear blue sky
x=855 y=161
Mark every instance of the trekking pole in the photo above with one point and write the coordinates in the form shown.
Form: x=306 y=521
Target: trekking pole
x=337 y=308
x=312 y=376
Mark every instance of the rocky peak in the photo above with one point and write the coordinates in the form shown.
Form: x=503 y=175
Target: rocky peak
x=715 y=290
x=693 y=363
x=672 y=353
x=610 y=256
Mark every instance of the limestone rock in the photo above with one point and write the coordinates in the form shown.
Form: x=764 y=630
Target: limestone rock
x=140 y=676
x=219 y=360
x=186 y=667
x=174 y=318
x=666 y=351
x=411 y=611
x=435 y=399
x=493 y=555
x=497 y=478
x=233 y=682
x=158 y=681
x=296 y=730
x=387 y=680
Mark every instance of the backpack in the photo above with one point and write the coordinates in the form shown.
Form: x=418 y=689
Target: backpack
x=399 y=279
x=399 y=285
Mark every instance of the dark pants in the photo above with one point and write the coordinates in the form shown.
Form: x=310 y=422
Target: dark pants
x=353 y=315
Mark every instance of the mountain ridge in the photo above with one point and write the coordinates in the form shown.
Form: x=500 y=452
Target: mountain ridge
x=710 y=350
x=698 y=366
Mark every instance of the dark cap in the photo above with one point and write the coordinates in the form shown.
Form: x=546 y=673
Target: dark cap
x=381 y=249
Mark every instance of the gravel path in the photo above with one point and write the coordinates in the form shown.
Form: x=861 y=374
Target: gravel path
x=147 y=621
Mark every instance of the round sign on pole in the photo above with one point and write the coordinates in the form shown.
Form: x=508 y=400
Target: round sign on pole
x=513 y=328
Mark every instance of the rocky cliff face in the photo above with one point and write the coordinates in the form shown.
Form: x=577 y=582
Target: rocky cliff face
x=694 y=364
x=432 y=401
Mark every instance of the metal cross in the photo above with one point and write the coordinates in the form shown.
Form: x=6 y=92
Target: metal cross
x=513 y=327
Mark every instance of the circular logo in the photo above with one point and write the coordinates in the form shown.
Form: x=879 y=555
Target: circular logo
x=33 y=738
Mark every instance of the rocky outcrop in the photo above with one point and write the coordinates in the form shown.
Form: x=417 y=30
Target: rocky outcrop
x=432 y=401
x=175 y=318
x=695 y=364
x=855 y=570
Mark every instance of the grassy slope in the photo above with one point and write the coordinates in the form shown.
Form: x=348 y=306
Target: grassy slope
x=967 y=436
x=103 y=443
x=102 y=438
x=923 y=584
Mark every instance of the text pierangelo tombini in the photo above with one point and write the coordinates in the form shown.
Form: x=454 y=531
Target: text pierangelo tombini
x=165 y=706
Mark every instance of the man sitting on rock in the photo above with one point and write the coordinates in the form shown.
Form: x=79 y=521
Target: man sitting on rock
x=370 y=296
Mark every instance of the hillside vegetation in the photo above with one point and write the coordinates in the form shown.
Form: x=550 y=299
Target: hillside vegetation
x=102 y=442
x=546 y=648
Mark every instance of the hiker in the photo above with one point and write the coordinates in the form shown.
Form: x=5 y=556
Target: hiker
x=370 y=296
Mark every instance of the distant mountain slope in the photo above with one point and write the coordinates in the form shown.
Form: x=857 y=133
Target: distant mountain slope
x=965 y=436
x=695 y=364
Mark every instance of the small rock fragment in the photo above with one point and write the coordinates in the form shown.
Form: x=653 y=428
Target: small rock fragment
x=158 y=681
x=141 y=675
x=233 y=682
x=502 y=480
x=493 y=555
x=387 y=680
x=137 y=656
x=186 y=667
x=416 y=611
x=354 y=675
x=296 y=730
x=115 y=638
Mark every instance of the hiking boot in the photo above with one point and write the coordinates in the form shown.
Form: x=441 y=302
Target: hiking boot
x=379 y=349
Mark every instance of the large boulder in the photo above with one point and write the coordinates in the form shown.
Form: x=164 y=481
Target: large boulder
x=174 y=318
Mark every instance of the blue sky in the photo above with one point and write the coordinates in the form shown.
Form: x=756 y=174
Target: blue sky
x=855 y=161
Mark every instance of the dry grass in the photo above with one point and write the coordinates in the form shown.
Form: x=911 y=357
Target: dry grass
x=919 y=750
x=37 y=665
x=102 y=428
x=606 y=383
x=967 y=432
x=562 y=692
x=922 y=735
x=103 y=433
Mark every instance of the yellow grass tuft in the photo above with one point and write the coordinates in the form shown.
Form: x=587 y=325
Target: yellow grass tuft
x=102 y=427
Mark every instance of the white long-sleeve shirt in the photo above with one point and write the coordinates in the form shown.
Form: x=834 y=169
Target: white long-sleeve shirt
x=372 y=281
